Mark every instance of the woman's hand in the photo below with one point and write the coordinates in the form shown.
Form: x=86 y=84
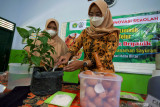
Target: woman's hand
x=74 y=65
x=64 y=59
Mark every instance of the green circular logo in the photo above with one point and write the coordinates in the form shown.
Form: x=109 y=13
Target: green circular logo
x=74 y=25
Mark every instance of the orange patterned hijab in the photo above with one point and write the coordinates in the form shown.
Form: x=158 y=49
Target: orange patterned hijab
x=107 y=25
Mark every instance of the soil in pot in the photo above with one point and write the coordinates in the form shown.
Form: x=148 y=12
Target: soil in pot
x=46 y=83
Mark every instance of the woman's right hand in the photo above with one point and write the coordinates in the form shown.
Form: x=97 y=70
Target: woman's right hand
x=64 y=59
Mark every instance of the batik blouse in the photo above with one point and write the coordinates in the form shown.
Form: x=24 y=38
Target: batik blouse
x=105 y=46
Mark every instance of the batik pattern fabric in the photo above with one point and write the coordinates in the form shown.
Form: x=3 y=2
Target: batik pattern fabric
x=38 y=101
x=105 y=46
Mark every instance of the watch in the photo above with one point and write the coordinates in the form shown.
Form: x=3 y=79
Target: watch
x=85 y=64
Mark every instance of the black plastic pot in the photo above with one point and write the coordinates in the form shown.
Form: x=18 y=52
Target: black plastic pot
x=46 y=82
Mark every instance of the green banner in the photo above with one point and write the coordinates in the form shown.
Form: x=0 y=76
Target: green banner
x=139 y=38
x=73 y=30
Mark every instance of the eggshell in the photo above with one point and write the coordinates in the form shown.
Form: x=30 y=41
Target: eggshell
x=99 y=88
x=98 y=101
x=99 y=74
x=110 y=75
x=113 y=101
x=84 y=101
x=90 y=92
x=103 y=95
x=92 y=82
x=116 y=86
x=88 y=72
x=105 y=104
x=91 y=104
x=83 y=104
x=83 y=84
x=106 y=84
x=111 y=93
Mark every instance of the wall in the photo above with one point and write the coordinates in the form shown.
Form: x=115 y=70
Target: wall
x=36 y=12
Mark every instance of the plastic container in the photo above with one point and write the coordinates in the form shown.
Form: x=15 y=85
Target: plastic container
x=18 y=75
x=99 y=90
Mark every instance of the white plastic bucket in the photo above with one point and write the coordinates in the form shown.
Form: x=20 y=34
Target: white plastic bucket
x=18 y=75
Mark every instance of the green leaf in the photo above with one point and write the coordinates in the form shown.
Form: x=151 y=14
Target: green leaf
x=46 y=67
x=46 y=34
x=48 y=53
x=41 y=46
x=48 y=56
x=23 y=32
x=29 y=41
x=47 y=48
x=30 y=32
x=43 y=49
x=25 y=59
x=32 y=46
x=32 y=28
x=36 y=60
x=38 y=30
x=43 y=39
x=53 y=50
x=43 y=58
x=23 y=40
x=48 y=63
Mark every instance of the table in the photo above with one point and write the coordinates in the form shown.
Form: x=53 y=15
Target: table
x=38 y=101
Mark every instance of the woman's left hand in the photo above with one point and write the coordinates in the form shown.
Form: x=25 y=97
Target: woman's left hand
x=74 y=65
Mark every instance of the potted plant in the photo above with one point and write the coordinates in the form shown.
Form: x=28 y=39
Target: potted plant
x=44 y=81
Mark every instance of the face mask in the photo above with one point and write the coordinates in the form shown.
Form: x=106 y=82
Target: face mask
x=51 y=32
x=96 y=21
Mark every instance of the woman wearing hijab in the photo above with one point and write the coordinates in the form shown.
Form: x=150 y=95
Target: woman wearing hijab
x=60 y=47
x=100 y=37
